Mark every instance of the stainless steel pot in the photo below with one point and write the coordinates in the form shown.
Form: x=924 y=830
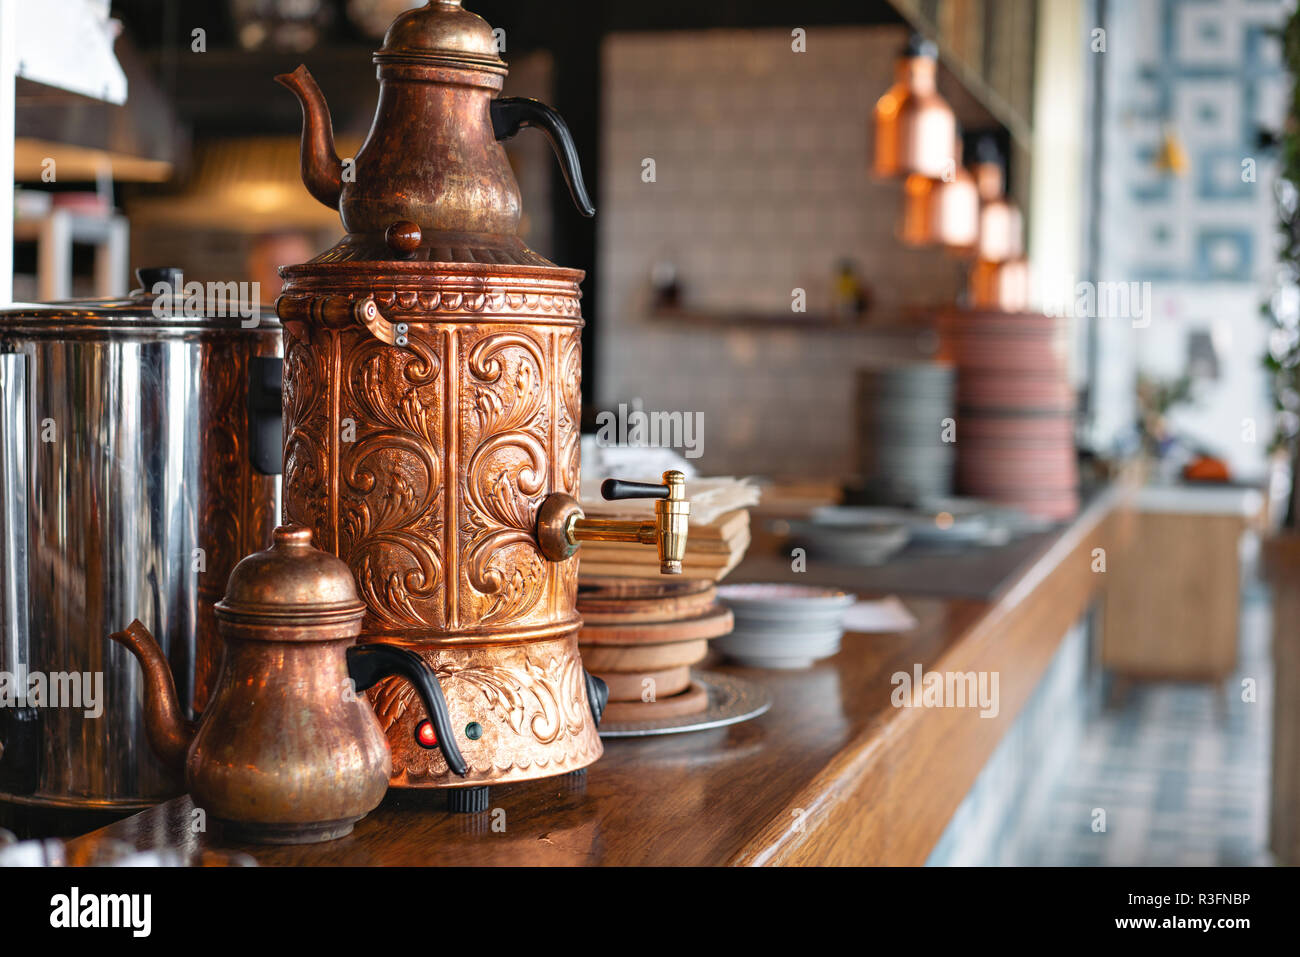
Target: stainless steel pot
x=139 y=454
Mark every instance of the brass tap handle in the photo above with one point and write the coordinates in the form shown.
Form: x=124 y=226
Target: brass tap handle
x=614 y=490
x=562 y=526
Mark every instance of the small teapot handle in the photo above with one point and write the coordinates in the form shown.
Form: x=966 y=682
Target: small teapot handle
x=510 y=114
x=597 y=695
x=368 y=663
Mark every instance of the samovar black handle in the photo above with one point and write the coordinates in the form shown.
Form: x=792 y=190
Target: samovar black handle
x=20 y=750
x=510 y=114
x=265 y=404
x=597 y=695
x=368 y=663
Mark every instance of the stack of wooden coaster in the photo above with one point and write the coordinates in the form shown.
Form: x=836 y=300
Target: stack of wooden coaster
x=712 y=550
x=641 y=637
x=719 y=530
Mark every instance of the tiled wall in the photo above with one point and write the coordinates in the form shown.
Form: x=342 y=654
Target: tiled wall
x=761 y=186
x=1032 y=758
x=1180 y=769
x=1211 y=72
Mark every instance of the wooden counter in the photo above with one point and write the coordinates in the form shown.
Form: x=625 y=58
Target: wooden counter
x=1173 y=611
x=833 y=774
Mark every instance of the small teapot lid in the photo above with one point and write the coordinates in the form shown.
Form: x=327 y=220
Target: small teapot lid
x=442 y=32
x=291 y=583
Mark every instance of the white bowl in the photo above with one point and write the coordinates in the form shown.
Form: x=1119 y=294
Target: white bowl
x=781 y=625
x=850 y=543
x=787 y=649
x=780 y=598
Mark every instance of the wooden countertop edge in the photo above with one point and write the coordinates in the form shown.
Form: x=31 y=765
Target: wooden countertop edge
x=833 y=798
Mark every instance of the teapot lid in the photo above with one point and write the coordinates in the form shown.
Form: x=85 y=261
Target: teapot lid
x=291 y=583
x=442 y=32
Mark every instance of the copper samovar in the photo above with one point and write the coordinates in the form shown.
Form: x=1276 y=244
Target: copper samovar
x=431 y=407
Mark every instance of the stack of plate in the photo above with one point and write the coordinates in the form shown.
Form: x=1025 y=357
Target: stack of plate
x=900 y=421
x=867 y=536
x=936 y=523
x=783 y=626
x=1015 y=434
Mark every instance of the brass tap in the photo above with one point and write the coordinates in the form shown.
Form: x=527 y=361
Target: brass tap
x=562 y=526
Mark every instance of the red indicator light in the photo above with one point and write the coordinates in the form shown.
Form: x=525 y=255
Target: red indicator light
x=425 y=735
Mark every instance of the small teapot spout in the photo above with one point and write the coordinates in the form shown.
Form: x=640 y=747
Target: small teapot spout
x=170 y=734
x=322 y=170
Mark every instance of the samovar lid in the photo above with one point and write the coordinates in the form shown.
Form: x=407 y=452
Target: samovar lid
x=291 y=583
x=442 y=32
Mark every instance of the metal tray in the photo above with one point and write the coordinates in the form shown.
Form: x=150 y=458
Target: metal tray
x=731 y=700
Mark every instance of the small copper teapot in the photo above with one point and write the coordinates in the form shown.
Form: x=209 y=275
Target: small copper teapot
x=287 y=751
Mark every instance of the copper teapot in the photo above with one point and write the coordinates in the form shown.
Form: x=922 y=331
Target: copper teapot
x=286 y=752
x=432 y=162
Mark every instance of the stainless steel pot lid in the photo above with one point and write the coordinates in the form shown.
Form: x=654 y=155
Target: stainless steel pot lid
x=192 y=307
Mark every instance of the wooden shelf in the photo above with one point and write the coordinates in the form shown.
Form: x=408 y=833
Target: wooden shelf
x=921 y=326
x=57 y=231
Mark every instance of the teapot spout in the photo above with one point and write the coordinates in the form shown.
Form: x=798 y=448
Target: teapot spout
x=322 y=170
x=170 y=734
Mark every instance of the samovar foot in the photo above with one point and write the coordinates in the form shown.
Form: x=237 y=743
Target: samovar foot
x=468 y=800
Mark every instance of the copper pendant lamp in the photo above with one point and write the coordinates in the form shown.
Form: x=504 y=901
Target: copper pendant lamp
x=915 y=230
x=943 y=211
x=1001 y=225
x=1000 y=231
x=955 y=208
x=999 y=286
x=914 y=126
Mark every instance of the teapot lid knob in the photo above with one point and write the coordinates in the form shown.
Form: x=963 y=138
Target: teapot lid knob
x=442 y=32
x=403 y=236
x=290 y=535
x=292 y=583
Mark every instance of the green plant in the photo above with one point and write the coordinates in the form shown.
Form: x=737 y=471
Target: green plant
x=1283 y=309
x=1156 y=397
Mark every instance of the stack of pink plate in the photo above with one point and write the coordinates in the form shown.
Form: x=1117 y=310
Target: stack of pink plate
x=1015 y=421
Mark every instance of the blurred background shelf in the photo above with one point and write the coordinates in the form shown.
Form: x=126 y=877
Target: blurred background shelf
x=921 y=328
x=55 y=235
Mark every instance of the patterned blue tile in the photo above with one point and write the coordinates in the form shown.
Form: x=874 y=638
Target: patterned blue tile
x=1209 y=72
x=1181 y=772
x=1218 y=176
x=1224 y=254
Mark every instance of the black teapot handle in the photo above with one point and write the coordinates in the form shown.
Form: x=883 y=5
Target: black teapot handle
x=510 y=114
x=597 y=695
x=368 y=663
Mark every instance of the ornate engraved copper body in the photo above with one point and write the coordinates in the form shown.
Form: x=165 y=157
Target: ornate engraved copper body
x=423 y=467
x=431 y=407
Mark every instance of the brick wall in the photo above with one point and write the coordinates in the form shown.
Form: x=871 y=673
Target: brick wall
x=762 y=185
